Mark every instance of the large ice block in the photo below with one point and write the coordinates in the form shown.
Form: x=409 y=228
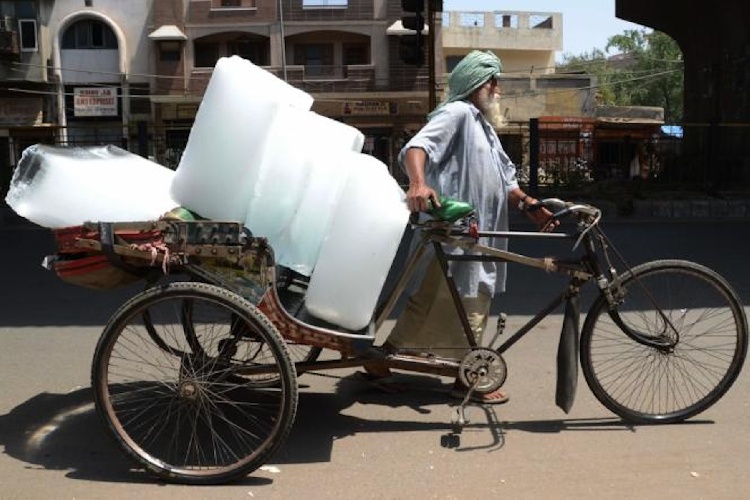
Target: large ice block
x=299 y=243
x=361 y=244
x=300 y=150
x=223 y=155
x=56 y=186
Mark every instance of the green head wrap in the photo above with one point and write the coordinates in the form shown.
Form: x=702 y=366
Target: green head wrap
x=470 y=74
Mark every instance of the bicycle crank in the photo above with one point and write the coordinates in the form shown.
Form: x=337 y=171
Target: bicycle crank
x=483 y=369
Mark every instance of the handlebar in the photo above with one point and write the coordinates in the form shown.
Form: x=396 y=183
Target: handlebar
x=588 y=216
x=560 y=208
x=455 y=211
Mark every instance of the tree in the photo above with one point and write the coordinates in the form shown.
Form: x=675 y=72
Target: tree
x=655 y=75
x=648 y=71
x=593 y=63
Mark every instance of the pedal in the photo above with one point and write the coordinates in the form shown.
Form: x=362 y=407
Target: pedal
x=450 y=440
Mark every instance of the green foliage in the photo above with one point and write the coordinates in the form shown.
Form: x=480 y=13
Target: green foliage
x=648 y=71
x=593 y=63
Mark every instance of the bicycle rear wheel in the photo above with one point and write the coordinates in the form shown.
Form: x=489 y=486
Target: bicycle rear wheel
x=671 y=349
x=173 y=377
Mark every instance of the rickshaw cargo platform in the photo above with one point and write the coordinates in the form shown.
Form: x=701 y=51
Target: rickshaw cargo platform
x=128 y=251
x=106 y=255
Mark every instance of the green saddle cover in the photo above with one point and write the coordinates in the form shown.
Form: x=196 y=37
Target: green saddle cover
x=450 y=210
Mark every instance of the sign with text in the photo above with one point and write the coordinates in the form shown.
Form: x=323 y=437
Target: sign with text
x=95 y=101
x=21 y=111
x=369 y=108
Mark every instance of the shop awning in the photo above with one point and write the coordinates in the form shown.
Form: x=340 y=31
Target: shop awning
x=630 y=115
x=628 y=121
x=167 y=32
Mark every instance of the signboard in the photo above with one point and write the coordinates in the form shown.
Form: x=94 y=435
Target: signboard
x=369 y=108
x=17 y=111
x=95 y=101
x=566 y=123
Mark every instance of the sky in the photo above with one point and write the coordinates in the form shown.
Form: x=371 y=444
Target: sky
x=587 y=24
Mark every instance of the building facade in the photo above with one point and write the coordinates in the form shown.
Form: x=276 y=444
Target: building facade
x=340 y=51
x=133 y=73
x=25 y=115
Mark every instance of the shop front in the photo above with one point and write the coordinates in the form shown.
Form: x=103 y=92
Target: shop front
x=387 y=122
x=93 y=115
x=566 y=149
x=21 y=125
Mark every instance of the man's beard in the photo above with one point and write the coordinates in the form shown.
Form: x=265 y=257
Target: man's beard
x=490 y=108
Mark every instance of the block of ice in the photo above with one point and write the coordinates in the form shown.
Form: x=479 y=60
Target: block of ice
x=223 y=155
x=300 y=156
x=360 y=246
x=56 y=186
x=299 y=242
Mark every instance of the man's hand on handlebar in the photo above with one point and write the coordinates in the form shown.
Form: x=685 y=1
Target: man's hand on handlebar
x=542 y=217
x=418 y=197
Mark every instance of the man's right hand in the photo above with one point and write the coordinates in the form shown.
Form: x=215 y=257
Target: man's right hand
x=419 y=194
x=418 y=197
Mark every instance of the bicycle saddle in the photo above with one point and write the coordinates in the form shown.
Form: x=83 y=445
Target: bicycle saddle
x=450 y=210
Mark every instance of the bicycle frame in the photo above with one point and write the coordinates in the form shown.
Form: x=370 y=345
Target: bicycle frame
x=356 y=347
x=580 y=272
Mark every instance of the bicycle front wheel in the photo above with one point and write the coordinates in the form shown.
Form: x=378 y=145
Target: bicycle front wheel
x=174 y=378
x=671 y=349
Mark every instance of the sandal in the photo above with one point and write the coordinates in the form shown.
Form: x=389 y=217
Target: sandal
x=496 y=397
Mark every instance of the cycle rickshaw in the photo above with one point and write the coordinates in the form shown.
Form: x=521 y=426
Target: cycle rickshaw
x=196 y=379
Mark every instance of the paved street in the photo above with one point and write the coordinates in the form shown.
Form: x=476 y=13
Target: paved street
x=350 y=441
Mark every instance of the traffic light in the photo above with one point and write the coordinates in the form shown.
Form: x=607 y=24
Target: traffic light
x=411 y=47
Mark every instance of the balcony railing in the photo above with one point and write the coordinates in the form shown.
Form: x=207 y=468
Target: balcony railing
x=502 y=30
x=232 y=4
x=311 y=78
x=316 y=79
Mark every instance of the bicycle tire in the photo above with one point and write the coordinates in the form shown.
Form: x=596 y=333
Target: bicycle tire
x=645 y=384
x=187 y=417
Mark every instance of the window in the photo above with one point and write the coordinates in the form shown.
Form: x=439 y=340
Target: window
x=506 y=21
x=206 y=54
x=139 y=99
x=325 y=4
x=169 y=51
x=317 y=58
x=89 y=34
x=540 y=22
x=472 y=19
x=446 y=19
x=27 y=31
x=356 y=54
x=254 y=51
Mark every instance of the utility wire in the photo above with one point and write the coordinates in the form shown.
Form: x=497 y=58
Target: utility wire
x=638 y=77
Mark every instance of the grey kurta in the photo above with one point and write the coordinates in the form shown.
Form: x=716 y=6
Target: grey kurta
x=466 y=161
